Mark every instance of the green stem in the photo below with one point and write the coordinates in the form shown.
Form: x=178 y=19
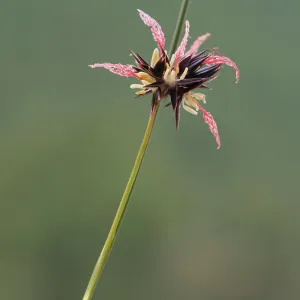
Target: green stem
x=179 y=25
x=108 y=245
x=121 y=210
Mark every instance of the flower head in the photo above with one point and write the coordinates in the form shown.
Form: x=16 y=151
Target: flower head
x=176 y=75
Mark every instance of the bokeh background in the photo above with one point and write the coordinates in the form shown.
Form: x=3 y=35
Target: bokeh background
x=202 y=223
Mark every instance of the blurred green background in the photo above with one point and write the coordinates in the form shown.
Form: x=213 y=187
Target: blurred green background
x=202 y=223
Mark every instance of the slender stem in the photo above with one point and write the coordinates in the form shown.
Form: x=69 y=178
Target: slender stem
x=121 y=210
x=108 y=245
x=179 y=25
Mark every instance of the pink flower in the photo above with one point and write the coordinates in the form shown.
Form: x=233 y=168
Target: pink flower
x=175 y=76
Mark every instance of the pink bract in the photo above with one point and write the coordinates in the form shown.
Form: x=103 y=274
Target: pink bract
x=181 y=49
x=208 y=118
x=122 y=70
x=214 y=59
x=157 y=32
x=197 y=43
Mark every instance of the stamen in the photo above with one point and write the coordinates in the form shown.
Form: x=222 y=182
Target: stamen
x=188 y=109
x=199 y=96
x=155 y=57
x=166 y=74
x=184 y=73
x=172 y=60
x=145 y=82
x=173 y=76
x=141 y=92
x=137 y=86
x=191 y=101
x=170 y=77
x=145 y=76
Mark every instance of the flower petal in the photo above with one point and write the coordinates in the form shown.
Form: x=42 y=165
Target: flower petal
x=198 y=42
x=181 y=49
x=208 y=118
x=214 y=59
x=157 y=32
x=122 y=70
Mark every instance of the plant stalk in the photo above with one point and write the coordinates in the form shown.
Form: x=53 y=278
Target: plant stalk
x=108 y=245
x=179 y=25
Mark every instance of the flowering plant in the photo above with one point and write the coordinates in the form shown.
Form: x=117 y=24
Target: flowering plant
x=176 y=76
